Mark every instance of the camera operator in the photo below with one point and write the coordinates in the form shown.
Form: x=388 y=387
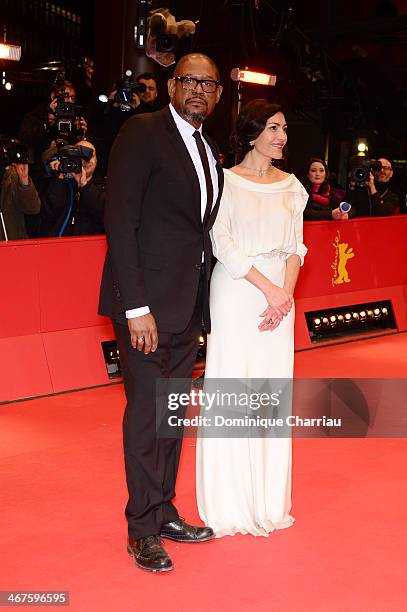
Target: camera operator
x=73 y=200
x=42 y=125
x=18 y=196
x=368 y=189
x=148 y=98
x=111 y=112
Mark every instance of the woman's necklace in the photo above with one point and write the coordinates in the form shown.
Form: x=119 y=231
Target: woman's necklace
x=260 y=172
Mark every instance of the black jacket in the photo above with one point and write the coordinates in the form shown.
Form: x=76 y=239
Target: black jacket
x=84 y=217
x=153 y=225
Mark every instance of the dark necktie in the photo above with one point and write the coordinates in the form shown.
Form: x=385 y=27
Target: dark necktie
x=207 y=172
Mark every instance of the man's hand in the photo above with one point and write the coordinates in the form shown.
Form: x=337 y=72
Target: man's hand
x=22 y=172
x=83 y=124
x=81 y=178
x=143 y=333
x=370 y=184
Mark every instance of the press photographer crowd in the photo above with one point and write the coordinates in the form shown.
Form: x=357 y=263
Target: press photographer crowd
x=53 y=176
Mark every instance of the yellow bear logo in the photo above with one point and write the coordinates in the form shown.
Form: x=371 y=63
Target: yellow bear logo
x=342 y=255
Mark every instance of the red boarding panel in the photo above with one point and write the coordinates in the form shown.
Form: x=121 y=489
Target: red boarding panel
x=353 y=255
x=69 y=273
x=19 y=303
x=23 y=368
x=75 y=357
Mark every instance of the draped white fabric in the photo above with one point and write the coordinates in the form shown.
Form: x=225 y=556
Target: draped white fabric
x=244 y=484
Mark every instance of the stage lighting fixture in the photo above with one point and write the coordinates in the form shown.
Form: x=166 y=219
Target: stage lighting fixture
x=10 y=52
x=8 y=86
x=362 y=146
x=250 y=76
x=352 y=319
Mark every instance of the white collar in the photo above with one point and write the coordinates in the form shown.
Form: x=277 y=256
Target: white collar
x=183 y=125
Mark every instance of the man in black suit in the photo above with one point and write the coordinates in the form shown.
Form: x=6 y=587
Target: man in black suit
x=164 y=187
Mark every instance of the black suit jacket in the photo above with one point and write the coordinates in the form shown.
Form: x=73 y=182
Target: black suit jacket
x=153 y=225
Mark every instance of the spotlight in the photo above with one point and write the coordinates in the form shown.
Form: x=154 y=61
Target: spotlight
x=370 y=313
x=362 y=147
x=249 y=76
x=385 y=312
x=362 y=314
x=332 y=318
x=317 y=322
x=348 y=316
x=376 y=312
x=325 y=320
x=340 y=318
x=355 y=316
x=8 y=86
x=103 y=98
x=10 y=52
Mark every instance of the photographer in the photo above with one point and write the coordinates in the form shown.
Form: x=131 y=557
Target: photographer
x=111 y=112
x=18 y=196
x=73 y=200
x=368 y=189
x=41 y=126
x=147 y=98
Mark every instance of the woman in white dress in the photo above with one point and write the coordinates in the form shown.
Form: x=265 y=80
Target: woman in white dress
x=244 y=484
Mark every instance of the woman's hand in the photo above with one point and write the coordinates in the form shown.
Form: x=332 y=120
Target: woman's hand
x=338 y=215
x=271 y=319
x=279 y=299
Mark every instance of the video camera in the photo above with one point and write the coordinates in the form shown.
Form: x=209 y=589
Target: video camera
x=67 y=116
x=126 y=86
x=360 y=169
x=13 y=152
x=70 y=158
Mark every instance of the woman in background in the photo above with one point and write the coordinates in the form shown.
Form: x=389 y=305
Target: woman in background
x=322 y=203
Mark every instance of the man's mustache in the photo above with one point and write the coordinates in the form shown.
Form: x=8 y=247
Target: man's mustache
x=200 y=98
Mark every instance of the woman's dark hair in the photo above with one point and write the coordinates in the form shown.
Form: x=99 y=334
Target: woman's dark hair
x=307 y=182
x=250 y=123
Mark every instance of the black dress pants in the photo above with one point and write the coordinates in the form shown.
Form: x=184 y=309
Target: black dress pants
x=152 y=462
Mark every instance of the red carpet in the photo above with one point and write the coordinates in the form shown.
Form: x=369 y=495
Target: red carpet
x=63 y=492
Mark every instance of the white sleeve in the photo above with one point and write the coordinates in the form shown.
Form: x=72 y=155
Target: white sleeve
x=301 y=199
x=225 y=249
x=137 y=312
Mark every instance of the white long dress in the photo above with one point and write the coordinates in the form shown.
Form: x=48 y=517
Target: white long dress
x=244 y=484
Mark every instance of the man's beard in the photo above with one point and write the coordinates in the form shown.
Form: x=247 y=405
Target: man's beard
x=196 y=116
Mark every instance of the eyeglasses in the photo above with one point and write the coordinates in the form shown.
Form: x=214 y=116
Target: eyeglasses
x=385 y=168
x=191 y=83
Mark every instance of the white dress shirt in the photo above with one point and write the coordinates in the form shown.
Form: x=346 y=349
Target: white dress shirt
x=186 y=130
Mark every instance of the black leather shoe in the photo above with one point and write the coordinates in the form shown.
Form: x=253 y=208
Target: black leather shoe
x=180 y=531
x=149 y=554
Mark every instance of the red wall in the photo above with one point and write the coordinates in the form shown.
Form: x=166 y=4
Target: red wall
x=50 y=332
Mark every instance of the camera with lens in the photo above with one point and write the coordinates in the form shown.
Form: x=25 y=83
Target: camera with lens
x=126 y=87
x=360 y=169
x=67 y=116
x=70 y=158
x=13 y=152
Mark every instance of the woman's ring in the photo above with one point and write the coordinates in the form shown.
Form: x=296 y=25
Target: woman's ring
x=140 y=338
